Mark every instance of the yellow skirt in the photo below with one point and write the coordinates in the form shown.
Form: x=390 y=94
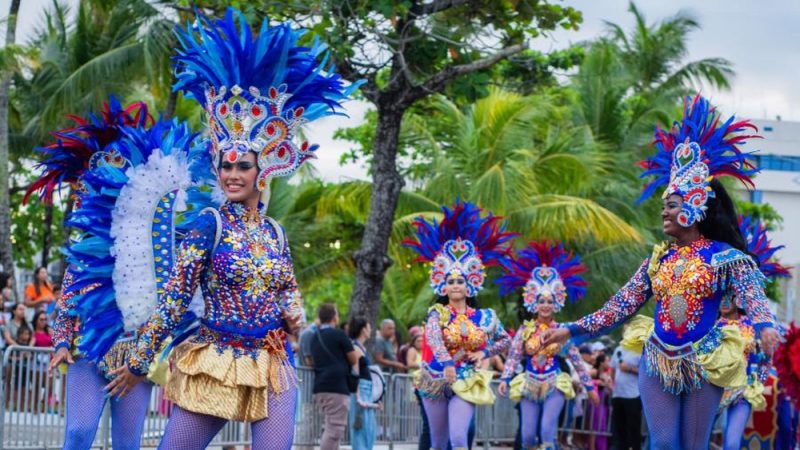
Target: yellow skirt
x=717 y=358
x=222 y=385
x=522 y=386
x=475 y=388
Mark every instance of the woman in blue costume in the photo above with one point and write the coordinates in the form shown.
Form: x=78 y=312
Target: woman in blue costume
x=458 y=336
x=688 y=360
x=256 y=92
x=78 y=153
x=548 y=275
x=742 y=401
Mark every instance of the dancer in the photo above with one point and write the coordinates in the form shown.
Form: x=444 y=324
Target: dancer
x=688 y=360
x=256 y=92
x=457 y=335
x=548 y=275
x=79 y=154
x=740 y=402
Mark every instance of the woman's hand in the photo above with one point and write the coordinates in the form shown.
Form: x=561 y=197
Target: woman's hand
x=62 y=356
x=450 y=374
x=476 y=357
x=502 y=389
x=124 y=380
x=557 y=335
x=770 y=338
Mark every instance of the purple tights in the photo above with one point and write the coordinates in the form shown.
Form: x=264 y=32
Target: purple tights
x=738 y=413
x=678 y=422
x=449 y=419
x=188 y=430
x=541 y=414
x=85 y=402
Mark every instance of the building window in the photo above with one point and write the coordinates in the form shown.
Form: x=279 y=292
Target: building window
x=780 y=163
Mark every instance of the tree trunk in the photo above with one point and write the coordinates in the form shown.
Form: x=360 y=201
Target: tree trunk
x=6 y=258
x=371 y=259
x=47 y=235
x=172 y=101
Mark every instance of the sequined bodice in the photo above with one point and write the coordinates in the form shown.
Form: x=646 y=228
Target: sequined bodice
x=462 y=333
x=249 y=269
x=540 y=359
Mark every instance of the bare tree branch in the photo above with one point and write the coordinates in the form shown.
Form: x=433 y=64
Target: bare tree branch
x=435 y=6
x=437 y=82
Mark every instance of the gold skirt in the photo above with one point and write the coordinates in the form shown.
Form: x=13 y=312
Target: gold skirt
x=717 y=358
x=522 y=386
x=222 y=385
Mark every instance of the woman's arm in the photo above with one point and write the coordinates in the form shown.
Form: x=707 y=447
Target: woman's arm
x=500 y=339
x=747 y=284
x=577 y=362
x=617 y=309
x=192 y=258
x=64 y=323
x=411 y=358
x=514 y=355
x=434 y=338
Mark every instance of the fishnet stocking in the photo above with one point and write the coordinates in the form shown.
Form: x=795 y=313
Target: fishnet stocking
x=686 y=419
x=544 y=415
x=188 y=430
x=85 y=401
x=276 y=432
x=449 y=420
x=738 y=413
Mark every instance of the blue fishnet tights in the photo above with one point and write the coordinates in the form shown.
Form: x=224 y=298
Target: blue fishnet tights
x=544 y=415
x=678 y=422
x=85 y=402
x=188 y=430
x=738 y=413
x=449 y=419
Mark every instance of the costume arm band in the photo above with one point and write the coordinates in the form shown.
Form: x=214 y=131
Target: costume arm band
x=434 y=339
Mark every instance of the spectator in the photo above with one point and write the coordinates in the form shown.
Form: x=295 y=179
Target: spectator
x=363 y=426
x=626 y=416
x=334 y=358
x=304 y=344
x=7 y=293
x=413 y=357
x=385 y=354
x=402 y=353
x=39 y=293
x=14 y=324
x=598 y=414
x=42 y=336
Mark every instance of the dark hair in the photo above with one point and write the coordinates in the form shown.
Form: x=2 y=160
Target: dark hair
x=722 y=222
x=356 y=325
x=522 y=312
x=21 y=330
x=36 y=319
x=14 y=308
x=327 y=311
x=601 y=358
x=36 y=284
x=472 y=302
x=4 y=277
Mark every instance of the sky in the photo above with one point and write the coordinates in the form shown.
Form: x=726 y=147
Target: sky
x=761 y=39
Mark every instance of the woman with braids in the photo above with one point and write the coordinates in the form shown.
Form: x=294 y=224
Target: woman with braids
x=688 y=359
x=548 y=275
x=256 y=91
x=458 y=335
x=741 y=401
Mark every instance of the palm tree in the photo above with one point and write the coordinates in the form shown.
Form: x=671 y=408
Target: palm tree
x=6 y=259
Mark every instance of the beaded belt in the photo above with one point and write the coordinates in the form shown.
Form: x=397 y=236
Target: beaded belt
x=273 y=342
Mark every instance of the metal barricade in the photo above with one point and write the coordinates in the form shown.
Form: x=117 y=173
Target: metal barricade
x=32 y=404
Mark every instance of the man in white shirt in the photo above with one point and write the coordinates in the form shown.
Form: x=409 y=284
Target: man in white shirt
x=626 y=419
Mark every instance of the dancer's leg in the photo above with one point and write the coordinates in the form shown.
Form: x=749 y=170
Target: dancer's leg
x=436 y=411
x=662 y=411
x=460 y=413
x=698 y=410
x=529 y=422
x=85 y=401
x=550 y=412
x=127 y=417
x=276 y=432
x=738 y=413
x=425 y=436
x=187 y=430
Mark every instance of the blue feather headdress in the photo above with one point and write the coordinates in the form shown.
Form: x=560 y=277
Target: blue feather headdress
x=257 y=91
x=545 y=270
x=463 y=243
x=693 y=152
x=128 y=219
x=759 y=244
x=82 y=147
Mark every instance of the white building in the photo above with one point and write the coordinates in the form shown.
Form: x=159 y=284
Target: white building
x=779 y=185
